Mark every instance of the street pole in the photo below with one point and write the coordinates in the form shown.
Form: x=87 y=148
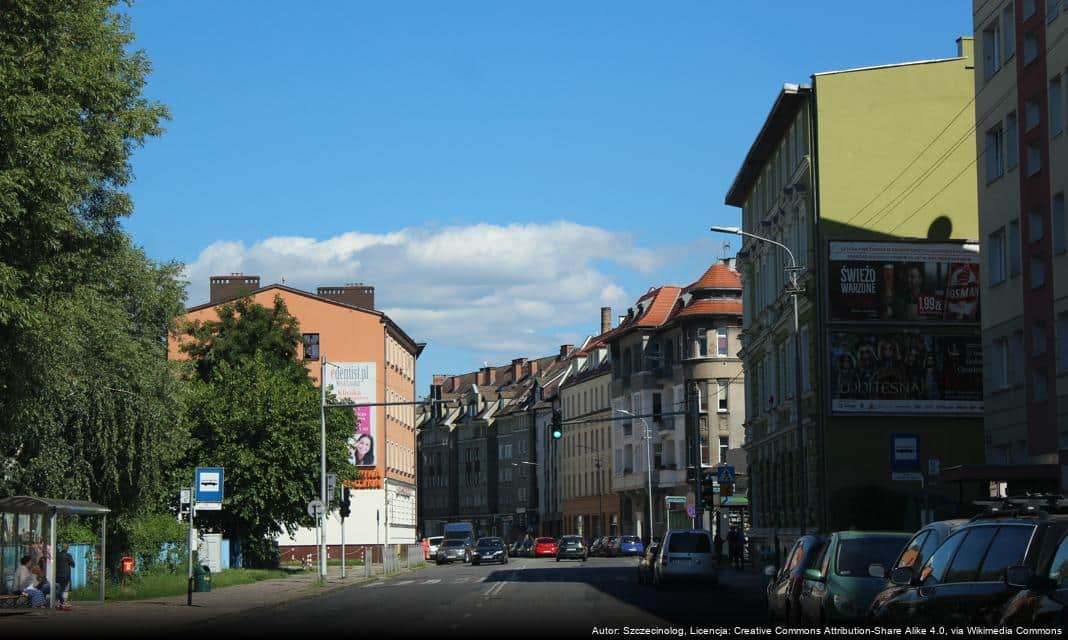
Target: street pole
x=600 y=500
x=342 y=544
x=793 y=270
x=649 y=464
x=695 y=419
x=192 y=510
x=321 y=520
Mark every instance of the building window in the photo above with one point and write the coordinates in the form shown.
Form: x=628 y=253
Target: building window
x=724 y=447
x=999 y=364
x=1062 y=343
x=995 y=253
x=1040 y=384
x=1060 y=242
x=995 y=156
x=1014 y=247
x=1012 y=145
x=1008 y=32
x=702 y=342
x=992 y=49
x=311 y=346
x=1034 y=159
x=1030 y=48
x=1038 y=272
x=721 y=342
x=1035 y=229
x=1019 y=358
x=1038 y=339
x=657 y=408
x=1053 y=8
x=1032 y=114
x=1056 y=108
x=1028 y=9
x=722 y=394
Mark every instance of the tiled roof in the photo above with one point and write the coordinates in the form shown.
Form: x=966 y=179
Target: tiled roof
x=718 y=276
x=656 y=306
x=716 y=306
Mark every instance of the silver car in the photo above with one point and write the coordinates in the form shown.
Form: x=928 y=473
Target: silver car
x=452 y=550
x=433 y=543
x=686 y=556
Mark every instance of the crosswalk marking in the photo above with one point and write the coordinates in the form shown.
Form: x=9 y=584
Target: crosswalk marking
x=432 y=581
x=404 y=582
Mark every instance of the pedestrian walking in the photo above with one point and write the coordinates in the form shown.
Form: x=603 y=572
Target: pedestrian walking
x=734 y=546
x=64 y=563
x=717 y=542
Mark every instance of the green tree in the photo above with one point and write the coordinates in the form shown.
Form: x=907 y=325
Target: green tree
x=254 y=410
x=89 y=407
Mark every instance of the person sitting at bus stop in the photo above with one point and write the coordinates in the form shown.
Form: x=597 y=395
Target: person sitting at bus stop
x=26 y=582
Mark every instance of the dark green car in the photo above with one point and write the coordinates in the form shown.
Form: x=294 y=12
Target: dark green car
x=571 y=547
x=850 y=571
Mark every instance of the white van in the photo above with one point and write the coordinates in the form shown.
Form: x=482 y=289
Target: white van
x=686 y=556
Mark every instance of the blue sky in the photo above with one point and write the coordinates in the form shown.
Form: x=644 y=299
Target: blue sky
x=498 y=170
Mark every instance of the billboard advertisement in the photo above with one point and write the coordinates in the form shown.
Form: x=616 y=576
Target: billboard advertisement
x=914 y=282
x=906 y=373
x=355 y=382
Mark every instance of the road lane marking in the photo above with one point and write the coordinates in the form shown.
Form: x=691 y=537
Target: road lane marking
x=494 y=590
x=432 y=581
x=404 y=582
x=374 y=584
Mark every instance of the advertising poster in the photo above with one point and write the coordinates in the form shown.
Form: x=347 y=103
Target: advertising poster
x=906 y=373
x=911 y=282
x=355 y=382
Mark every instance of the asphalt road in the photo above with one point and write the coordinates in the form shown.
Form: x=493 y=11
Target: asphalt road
x=527 y=597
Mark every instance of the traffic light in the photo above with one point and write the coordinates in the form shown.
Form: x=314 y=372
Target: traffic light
x=558 y=427
x=708 y=489
x=346 y=502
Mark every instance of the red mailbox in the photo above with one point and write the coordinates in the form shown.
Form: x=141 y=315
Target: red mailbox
x=127 y=564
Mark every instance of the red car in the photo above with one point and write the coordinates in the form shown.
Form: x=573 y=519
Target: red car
x=545 y=547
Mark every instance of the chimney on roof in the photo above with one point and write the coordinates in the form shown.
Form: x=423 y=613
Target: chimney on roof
x=566 y=349
x=731 y=262
x=532 y=367
x=453 y=381
x=487 y=376
x=235 y=285
x=354 y=294
x=439 y=378
x=517 y=368
x=606 y=319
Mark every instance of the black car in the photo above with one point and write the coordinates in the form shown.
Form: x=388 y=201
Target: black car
x=919 y=548
x=1043 y=598
x=784 y=591
x=489 y=550
x=595 y=546
x=571 y=547
x=975 y=573
x=645 y=565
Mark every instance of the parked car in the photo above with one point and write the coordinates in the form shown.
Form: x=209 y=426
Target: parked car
x=489 y=550
x=686 y=556
x=645 y=565
x=915 y=553
x=433 y=542
x=631 y=546
x=850 y=571
x=976 y=573
x=595 y=547
x=571 y=547
x=610 y=547
x=544 y=547
x=784 y=591
x=1043 y=597
x=454 y=549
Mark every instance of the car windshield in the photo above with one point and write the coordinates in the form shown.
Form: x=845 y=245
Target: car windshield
x=855 y=555
x=629 y=539
x=545 y=540
x=454 y=543
x=571 y=540
x=435 y=540
x=489 y=543
x=689 y=543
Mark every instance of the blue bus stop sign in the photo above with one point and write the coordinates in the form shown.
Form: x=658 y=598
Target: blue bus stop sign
x=209 y=486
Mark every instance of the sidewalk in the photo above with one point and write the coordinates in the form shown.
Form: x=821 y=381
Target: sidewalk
x=171 y=614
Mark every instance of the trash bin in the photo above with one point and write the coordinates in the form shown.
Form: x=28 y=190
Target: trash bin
x=202 y=577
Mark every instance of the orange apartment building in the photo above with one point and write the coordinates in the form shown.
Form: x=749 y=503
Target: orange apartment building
x=341 y=325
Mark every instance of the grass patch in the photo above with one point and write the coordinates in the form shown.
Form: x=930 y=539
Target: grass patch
x=162 y=585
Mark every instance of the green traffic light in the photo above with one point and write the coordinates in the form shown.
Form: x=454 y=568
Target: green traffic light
x=557 y=434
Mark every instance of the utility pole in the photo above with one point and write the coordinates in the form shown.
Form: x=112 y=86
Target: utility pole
x=321 y=520
x=695 y=419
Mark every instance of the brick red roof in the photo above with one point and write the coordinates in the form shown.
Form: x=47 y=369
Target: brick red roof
x=720 y=306
x=658 y=311
x=718 y=276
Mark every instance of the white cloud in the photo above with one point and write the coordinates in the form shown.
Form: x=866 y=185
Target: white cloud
x=498 y=291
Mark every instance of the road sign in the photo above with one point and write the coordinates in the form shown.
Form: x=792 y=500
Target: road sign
x=905 y=457
x=209 y=487
x=315 y=508
x=691 y=510
x=934 y=466
x=906 y=476
x=183 y=497
x=676 y=499
x=725 y=474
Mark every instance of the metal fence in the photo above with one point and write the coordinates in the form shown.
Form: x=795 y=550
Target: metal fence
x=390 y=558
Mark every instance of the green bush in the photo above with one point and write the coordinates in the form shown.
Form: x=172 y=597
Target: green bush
x=156 y=541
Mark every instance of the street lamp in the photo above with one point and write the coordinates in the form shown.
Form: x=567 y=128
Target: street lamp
x=792 y=273
x=649 y=462
x=600 y=490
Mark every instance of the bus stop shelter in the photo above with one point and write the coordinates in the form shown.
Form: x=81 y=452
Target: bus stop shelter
x=51 y=508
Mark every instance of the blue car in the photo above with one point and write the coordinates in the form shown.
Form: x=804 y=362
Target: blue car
x=631 y=546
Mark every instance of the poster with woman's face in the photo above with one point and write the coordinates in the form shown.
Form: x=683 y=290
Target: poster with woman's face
x=355 y=382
